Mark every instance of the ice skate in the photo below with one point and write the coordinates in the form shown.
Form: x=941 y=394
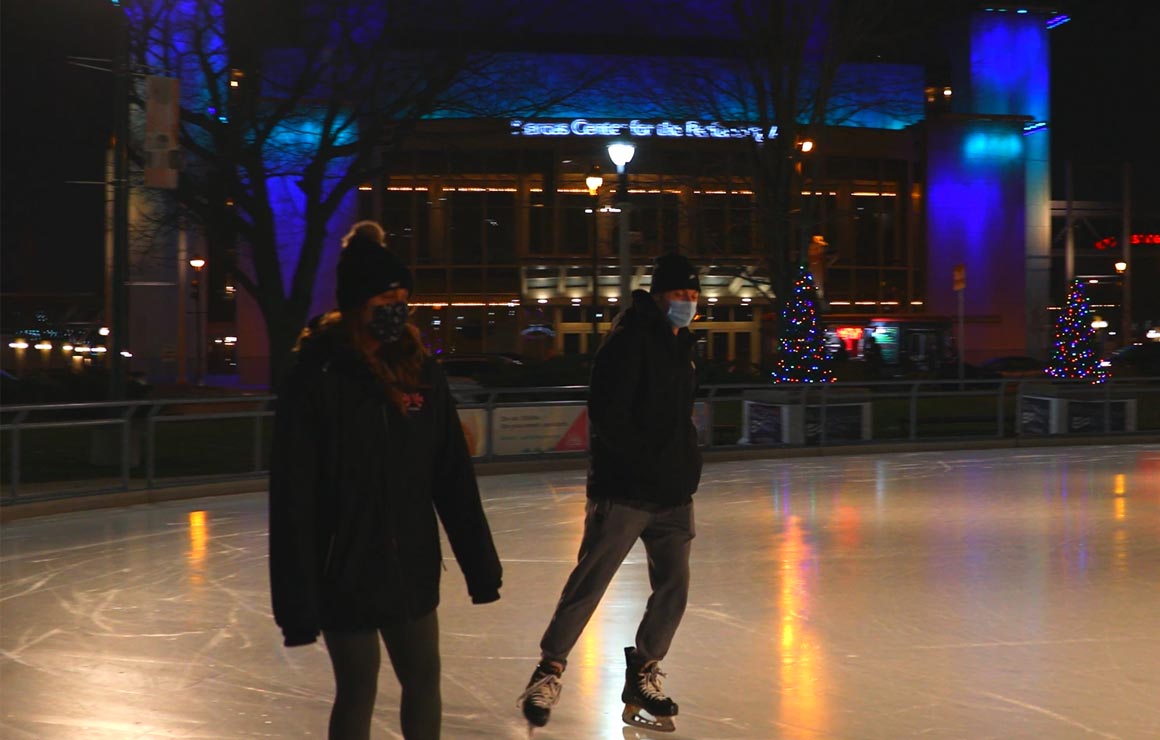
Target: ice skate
x=645 y=703
x=541 y=694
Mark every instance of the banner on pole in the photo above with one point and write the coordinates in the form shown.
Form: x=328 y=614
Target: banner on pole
x=162 y=151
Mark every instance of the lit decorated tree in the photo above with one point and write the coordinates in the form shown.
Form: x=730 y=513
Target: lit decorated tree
x=1075 y=354
x=802 y=356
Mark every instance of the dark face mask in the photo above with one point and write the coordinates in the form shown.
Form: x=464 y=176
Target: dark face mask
x=387 y=322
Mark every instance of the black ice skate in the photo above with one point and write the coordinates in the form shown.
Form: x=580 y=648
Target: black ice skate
x=541 y=694
x=645 y=703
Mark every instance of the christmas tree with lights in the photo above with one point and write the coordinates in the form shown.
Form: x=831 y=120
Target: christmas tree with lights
x=1075 y=354
x=802 y=356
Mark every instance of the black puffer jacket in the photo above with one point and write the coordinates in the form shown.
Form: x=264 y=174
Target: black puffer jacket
x=355 y=485
x=642 y=440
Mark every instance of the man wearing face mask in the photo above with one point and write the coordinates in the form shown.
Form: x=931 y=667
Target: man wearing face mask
x=644 y=466
x=368 y=457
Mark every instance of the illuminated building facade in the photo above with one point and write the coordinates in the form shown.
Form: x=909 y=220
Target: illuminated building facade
x=914 y=176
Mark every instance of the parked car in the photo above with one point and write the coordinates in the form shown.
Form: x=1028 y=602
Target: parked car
x=467 y=374
x=1015 y=366
x=1139 y=360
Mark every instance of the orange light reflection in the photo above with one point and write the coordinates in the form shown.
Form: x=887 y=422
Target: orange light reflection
x=800 y=666
x=198 y=539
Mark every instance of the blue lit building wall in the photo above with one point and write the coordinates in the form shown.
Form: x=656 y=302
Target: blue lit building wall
x=974 y=195
x=982 y=162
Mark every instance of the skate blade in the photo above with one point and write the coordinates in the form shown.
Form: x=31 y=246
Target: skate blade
x=637 y=717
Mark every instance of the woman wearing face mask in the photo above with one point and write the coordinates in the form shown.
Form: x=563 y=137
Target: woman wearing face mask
x=368 y=452
x=644 y=466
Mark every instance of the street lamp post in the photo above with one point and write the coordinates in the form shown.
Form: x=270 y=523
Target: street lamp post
x=621 y=152
x=594 y=181
x=197 y=263
x=1126 y=336
x=1126 y=245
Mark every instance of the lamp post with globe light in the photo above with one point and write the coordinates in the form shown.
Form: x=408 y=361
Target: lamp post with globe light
x=1125 y=303
x=621 y=153
x=198 y=264
x=594 y=181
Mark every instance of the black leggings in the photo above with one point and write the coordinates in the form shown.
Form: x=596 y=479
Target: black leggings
x=413 y=648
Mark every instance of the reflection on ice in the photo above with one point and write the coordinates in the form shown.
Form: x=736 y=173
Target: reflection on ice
x=1006 y=593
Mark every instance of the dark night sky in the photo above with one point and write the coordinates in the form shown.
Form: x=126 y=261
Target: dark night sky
x=1105 y=90
x=56 y=123
x=56 y=119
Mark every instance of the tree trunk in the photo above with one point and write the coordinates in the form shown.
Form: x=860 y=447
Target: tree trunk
x=282 y=333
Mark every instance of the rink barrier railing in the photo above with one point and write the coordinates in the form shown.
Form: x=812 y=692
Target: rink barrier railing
x=124 y=448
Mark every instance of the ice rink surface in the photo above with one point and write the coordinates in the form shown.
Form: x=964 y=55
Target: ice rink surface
x=969 y=595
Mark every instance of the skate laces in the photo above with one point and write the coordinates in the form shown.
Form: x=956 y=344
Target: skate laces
x=543 y=692
x=650 y=681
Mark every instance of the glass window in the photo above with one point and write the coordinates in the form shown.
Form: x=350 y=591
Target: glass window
x=709 y=224
x=572 y=344
x=575 y=225
x=431 y=282
x=894 y=287
x=720 y=345
x=839 y=284
x=866 y=224
x=539 y=223
x=874 y=229
x=740 y=224
x=702 y=336
x=466 y=324
x=500 y=228
x=503 y=329
x=654 y=219
x=467 y=280
x=405 y=220
x=465 y=222
x=430 y=323
x=742 y=343
x=503 y=282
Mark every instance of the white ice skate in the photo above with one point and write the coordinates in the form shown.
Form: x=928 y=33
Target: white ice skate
x=645 y=703
x=542 y=693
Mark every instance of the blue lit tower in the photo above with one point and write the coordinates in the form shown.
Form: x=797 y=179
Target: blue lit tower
x=988 y=184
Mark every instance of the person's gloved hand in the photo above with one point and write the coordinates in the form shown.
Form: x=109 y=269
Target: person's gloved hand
x=485 y=597
x=293 y=637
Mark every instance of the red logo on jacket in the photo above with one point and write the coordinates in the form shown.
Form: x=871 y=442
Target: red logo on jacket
x=414 y=401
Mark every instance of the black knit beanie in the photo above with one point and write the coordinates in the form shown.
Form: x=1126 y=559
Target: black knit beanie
x=673 y=271
x=367 y=268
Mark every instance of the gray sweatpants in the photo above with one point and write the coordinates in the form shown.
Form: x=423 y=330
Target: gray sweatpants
x=610 y=531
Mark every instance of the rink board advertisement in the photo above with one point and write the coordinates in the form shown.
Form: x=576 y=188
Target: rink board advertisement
x=474 y=423
x=522 y=430
x=1052 y=415
x=776 y=424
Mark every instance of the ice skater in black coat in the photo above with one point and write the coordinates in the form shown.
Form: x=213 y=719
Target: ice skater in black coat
x=644 y=467
x=368 y=454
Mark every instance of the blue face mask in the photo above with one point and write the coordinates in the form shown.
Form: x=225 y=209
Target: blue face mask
x=681 y=313
x=387 y=322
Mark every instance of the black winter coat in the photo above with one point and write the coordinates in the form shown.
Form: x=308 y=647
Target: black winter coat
x=355 y=485
x=642 y=440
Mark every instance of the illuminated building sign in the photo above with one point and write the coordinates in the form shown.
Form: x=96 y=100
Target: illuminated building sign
x=1111 y=242
x=641 y=129
x=850 y=336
